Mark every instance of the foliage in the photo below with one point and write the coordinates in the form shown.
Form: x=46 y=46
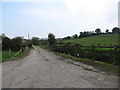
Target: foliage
x=35 y=40
x=16 y=43
x=51 y=39
x=66 y=38
x=43 y=42
x=107 y=31
x=91 y=53
x=98 y=31
x=116 y=30
x=75 y=36
x=6 y=42
x=101 y=65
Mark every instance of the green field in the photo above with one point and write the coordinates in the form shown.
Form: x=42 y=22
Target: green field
x=5 y=55
x=103 y=40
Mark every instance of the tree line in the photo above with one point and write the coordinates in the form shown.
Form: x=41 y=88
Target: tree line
x=18 y=43
x=91 y=33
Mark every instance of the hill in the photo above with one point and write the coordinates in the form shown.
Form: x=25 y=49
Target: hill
x=103 y=40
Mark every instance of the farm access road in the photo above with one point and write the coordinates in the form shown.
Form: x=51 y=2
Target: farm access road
x=44 y=69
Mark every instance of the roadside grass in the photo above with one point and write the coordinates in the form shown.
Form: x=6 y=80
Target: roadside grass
x=97 y=64
x=6 y=55
x=44 y=46
x=0 y=56
x=82 y=67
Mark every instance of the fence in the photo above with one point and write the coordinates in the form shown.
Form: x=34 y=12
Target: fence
x=98 y=53
x=23 y=49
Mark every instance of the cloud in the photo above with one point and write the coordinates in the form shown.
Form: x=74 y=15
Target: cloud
x=88 y=6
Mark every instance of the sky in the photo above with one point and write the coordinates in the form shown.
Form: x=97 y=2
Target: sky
x=63 y=18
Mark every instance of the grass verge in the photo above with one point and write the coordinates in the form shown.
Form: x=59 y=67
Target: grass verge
x=100 y=65
x=44 y=46
x=6 y=55
x=83 y=67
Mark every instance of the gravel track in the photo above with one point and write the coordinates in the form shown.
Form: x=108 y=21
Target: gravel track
x=44 y=69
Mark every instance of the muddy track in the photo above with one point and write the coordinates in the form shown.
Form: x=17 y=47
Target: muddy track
x=44 y=69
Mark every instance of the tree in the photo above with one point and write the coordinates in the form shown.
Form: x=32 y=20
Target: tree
x=51 y=39
x=16 y=43
x=116 y=30
x=107 y=31
x=98 y=31
x=6 y=42
x=3 y=35
x=76 y=36
x=35 y=40
x=68 y=37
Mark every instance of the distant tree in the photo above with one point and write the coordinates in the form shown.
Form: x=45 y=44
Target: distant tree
x=3 y=35
x=98 y=31
x=51 y=39
x=35 y=40
x=16 y=43
x=82 y=34
x=75 y=36
x=107 y=31
x=116 y=30
x=6 y=42
x=29 y=43
x=68 y=37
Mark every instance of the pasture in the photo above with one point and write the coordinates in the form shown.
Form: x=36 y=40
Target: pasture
x=102 y=40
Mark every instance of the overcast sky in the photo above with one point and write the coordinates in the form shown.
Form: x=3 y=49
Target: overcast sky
x=60 y=17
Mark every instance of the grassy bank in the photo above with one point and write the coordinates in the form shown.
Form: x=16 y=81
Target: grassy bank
x=6 y=55
x=100 y=65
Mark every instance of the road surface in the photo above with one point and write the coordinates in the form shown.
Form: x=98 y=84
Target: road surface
x=44 y=69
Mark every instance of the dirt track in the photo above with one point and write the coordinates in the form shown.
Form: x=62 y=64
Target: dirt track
x=44 y=69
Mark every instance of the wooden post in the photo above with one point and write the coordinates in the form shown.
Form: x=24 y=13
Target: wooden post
x=114 y=61
x=10 y=53
x=93 y=48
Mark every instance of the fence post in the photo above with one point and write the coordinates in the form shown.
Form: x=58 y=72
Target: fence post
x=10 y=53
x=114 y=60
x=93 y=51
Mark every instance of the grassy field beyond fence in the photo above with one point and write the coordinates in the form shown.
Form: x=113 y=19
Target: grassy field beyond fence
x=103 y=40
x=6 y=55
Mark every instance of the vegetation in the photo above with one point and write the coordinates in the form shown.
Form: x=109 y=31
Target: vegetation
x=103 y=40
x=44 y=46
x=100 y=65
x=14 y=44
x=35 y=40
x=98 y=31
x=116 y=30
x=51 y=39
x=6 y=55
